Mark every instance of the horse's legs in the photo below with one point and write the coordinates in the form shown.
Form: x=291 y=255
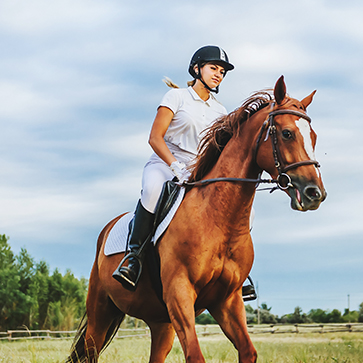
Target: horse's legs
x=103 y=317
x=231 y=316
x=162 y=338
x=180 y=300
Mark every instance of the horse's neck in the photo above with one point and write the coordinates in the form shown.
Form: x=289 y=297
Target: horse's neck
x=234 y=200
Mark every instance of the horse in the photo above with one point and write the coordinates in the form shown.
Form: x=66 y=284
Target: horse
x=206 y=253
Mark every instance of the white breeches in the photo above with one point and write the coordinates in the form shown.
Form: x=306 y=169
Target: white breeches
x=156 y=173
x=153 y=178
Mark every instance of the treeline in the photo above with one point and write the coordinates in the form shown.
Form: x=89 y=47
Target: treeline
x=32 y=297
x=299 y=317
x=264 y=316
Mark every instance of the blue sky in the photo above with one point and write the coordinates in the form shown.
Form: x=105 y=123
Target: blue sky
x=80 y=82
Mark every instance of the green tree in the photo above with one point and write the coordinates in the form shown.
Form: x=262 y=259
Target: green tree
x=318 y=316
x=334 y=316
x=265 y=315
x=204 y=319
x=56 y=291
x=30 y=296
x=76 y=289
x=67 y=300
x=13 y=302
x=327 y=316
x=25 y=269
x=251 y=314
x=350 y=316
x=297 y=317
x=265 y=307
x=39 y=291
x=360 y=313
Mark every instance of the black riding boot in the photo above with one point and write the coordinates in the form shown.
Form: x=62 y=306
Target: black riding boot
x=142 y=225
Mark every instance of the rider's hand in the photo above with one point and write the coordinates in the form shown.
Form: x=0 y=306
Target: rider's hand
x=180 y=170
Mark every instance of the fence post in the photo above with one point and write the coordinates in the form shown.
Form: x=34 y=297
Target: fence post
x=321 y=326
x=9 y=335
x=296 y=328
x=272 y=328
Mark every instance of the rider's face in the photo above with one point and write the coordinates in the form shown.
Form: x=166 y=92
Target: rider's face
x=212 y=74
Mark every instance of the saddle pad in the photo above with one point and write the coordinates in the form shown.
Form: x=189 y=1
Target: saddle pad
x=117 y=238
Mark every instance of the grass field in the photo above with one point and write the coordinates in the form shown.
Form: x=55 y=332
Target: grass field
x=282 y=348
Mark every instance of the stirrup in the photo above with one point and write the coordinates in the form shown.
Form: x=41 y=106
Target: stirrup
x=120 y=277
x=248 y=291
x=139 y=256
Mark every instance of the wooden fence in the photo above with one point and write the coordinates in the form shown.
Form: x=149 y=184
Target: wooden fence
x=202 y=331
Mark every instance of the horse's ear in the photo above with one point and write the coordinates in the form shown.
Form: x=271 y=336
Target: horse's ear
x=308 y=99
x=280 y=90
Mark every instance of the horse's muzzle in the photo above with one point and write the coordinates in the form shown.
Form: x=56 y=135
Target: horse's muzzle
x=306 y=196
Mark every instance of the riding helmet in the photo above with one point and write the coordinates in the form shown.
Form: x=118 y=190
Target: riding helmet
x=207 y=54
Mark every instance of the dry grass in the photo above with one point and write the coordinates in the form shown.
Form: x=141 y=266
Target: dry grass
x=272 y=348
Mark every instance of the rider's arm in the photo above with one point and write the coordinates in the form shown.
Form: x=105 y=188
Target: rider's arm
x=156 y=139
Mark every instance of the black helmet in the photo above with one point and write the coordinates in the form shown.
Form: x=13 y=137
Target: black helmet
x=207 y=54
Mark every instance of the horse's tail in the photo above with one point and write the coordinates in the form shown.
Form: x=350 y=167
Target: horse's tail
x=78 y=353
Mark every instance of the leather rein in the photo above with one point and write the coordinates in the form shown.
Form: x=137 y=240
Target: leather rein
x=283 y=181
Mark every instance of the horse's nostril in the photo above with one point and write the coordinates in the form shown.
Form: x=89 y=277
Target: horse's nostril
x=313 y=193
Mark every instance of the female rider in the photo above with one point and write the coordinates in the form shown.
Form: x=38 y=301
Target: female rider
x=181 y=118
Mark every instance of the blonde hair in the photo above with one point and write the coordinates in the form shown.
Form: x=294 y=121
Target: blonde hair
x=171 y=84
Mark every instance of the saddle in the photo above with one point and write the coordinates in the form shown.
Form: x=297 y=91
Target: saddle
x=167 y=198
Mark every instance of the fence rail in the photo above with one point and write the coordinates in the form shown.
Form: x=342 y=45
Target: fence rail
x=202 y=331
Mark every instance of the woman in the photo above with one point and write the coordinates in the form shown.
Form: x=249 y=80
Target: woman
x=182 y=116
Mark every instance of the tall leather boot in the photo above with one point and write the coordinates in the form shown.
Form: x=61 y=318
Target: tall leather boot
x=142 y=225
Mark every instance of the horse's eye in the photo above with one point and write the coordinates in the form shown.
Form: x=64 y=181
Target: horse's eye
x=287 y=134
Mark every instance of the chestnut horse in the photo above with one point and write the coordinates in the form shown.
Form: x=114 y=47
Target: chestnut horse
x=206 y=253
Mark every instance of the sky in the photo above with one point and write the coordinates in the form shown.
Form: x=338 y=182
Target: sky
x=80 y=82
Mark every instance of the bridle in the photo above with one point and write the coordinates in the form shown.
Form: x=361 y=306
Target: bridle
x=283 y=180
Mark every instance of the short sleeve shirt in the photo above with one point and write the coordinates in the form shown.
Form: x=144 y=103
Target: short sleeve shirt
x=191 y=117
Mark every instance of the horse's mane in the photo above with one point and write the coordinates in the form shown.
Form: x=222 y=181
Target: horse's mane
x=222 y=130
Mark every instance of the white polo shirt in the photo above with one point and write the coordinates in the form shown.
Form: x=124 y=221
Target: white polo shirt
x=191 y=117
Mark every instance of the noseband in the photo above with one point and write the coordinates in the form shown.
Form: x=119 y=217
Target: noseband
x=283 y=180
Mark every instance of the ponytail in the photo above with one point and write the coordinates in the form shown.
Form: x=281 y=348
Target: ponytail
x=171 y=84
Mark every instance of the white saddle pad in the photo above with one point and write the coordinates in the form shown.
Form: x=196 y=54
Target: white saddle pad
x=117 y=238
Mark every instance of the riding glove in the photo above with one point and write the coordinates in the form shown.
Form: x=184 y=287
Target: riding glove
x=180 y=170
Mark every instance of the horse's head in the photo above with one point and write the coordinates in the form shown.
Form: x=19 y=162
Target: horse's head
x=289 y=154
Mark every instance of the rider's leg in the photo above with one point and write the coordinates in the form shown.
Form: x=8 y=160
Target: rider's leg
x=156 y=172
x=141 y=228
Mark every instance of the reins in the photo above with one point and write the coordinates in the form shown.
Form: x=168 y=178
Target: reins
x=283 y=181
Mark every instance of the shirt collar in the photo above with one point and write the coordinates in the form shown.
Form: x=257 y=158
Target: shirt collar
x=197 y=98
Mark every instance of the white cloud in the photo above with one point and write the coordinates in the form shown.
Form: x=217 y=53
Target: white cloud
x=56 y=16
x=20 y=100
